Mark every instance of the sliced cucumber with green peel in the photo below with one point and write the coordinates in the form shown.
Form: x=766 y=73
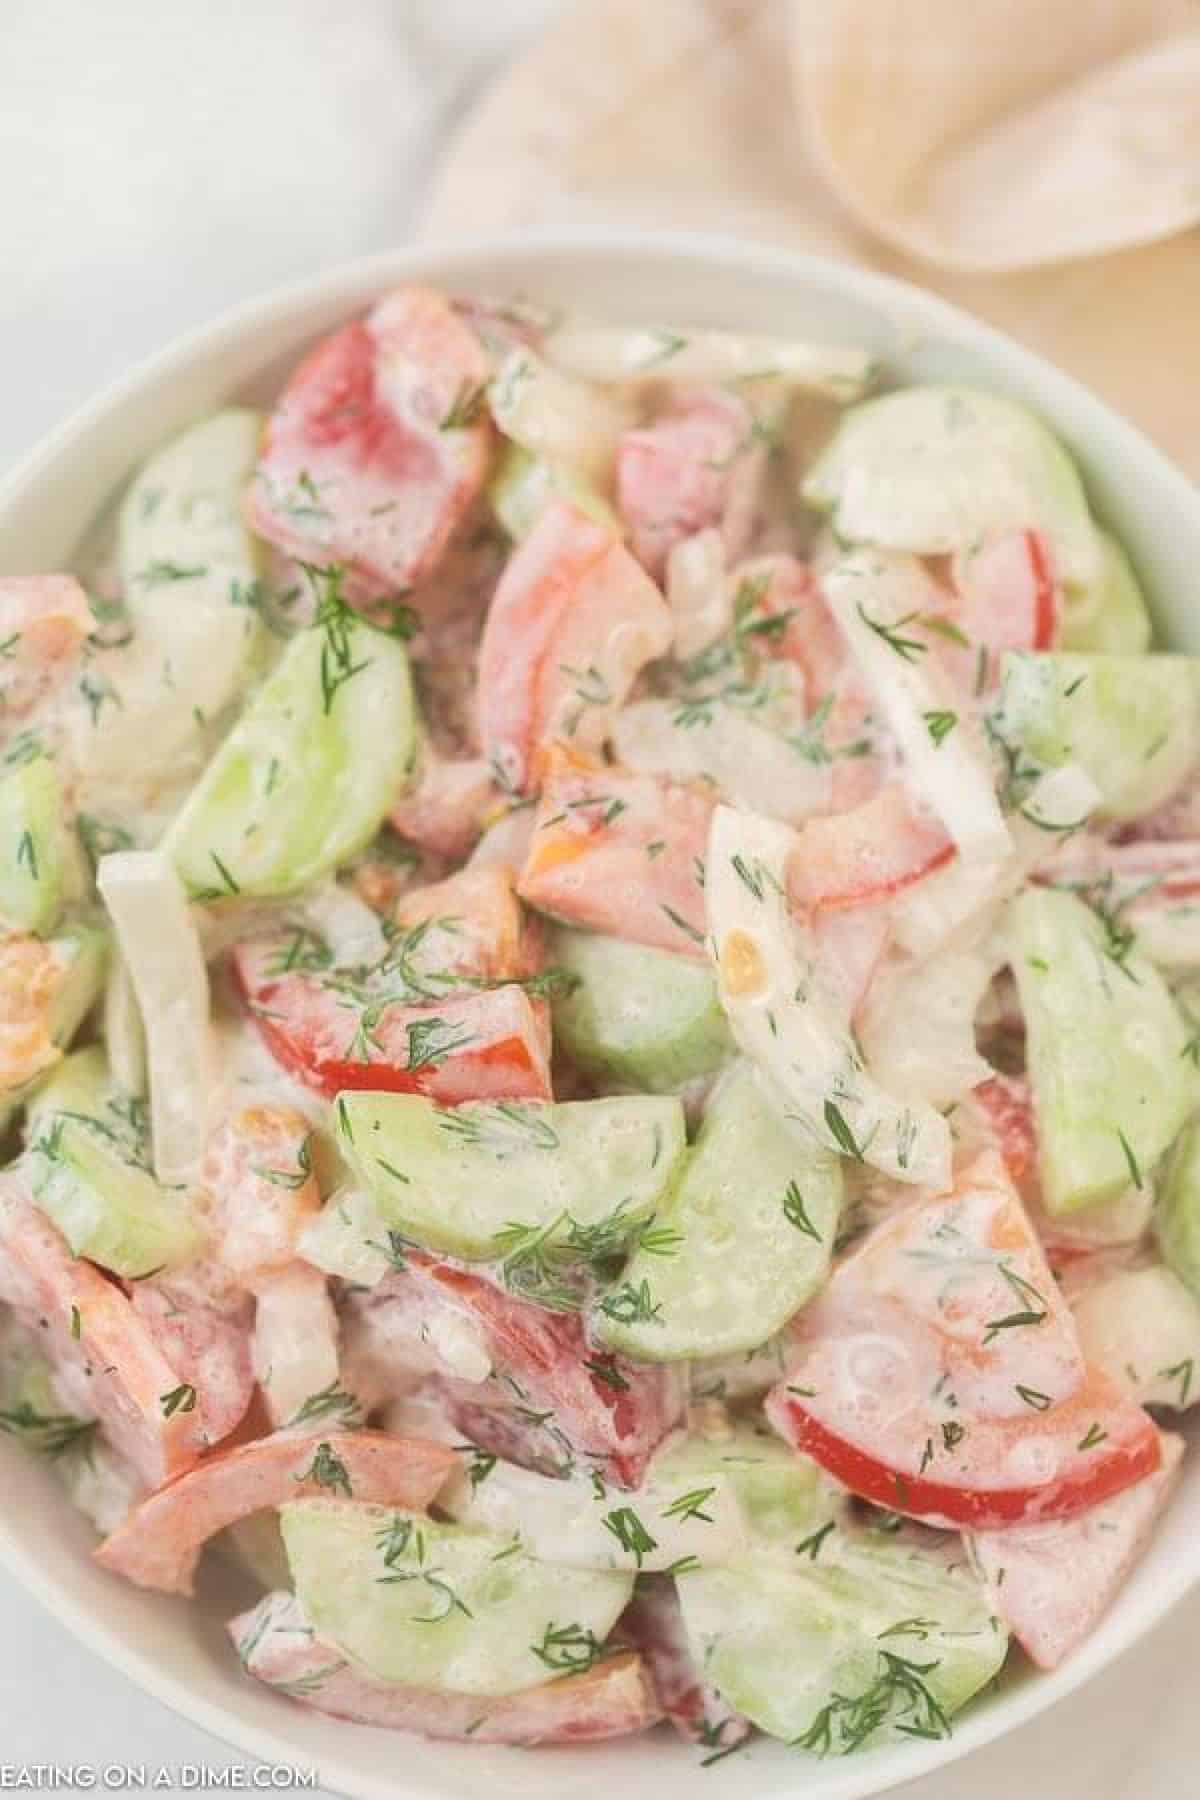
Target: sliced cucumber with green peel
x=84 y=948
x=707 y=1500
x=88 y=1159
x=513 y=1182
x=635 y=1015
x=1110 y=614
x=1177 y=1209
x=744 y=1240
x=1131 y=722
x=523 y=486
x=35 y=849
x=306 y=776
x=934 y=469
x=1111 y=1083
x=785 y=1498
x=863 y=1640
x=443 y=1606
x=191 y=571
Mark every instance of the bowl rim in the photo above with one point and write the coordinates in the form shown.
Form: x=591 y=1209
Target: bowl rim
x=449 y=261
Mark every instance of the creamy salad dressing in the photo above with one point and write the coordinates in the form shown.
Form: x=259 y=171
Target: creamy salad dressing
x=595 y=988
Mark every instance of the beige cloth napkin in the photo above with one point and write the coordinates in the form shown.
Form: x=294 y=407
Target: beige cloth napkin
x=1036 y=161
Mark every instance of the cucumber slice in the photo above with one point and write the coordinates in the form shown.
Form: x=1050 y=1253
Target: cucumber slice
x=190 y=570
x=442 y=1606
x=933 y=469
x=703 y=1500
x=507 y=1181
x=85 y=949
x=744 y=1240
x=1111 y=1083
x=865 y=1640
x=523 y=485
x=1131 y=722
x=784 y=1497
x=1110 y=614
x=1177 y=1209
x=34 y=847
x=89 y=1169
x=305 y=777
x=641 y=1017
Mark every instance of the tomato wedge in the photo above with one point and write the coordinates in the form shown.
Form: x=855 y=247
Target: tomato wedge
x=940 y=1374
x=106 y=1354
x=159 y=1543
x=854 y=858
x=620 y=852
x=573 y=621
x=1007 y=1104
x=32 y=974
x=699 y=464
x=378 y=446
x=335 y=1031
x=445 y=812
x=277 y=1645
x=653 y=1624
x=208 y=1346
x=550 y=1399
x=43 y=621
x=1008 y=598
x=1052 y=1582
x=261 y=1188
x=471 y=926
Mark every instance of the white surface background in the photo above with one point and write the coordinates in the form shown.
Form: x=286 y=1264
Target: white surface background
x=159 y=161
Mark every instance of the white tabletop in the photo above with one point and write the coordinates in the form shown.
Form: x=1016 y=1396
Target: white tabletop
x=158 y=162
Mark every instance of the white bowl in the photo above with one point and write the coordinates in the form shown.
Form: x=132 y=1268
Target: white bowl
x=178 y=1651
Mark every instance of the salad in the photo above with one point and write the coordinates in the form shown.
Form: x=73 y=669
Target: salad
x=600 y=1034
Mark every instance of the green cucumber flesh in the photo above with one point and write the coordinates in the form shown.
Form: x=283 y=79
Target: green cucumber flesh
x=443 y=1606
x=492 y=1181
x=743 y=1241
x=1105 y=1050
x=635 y=1015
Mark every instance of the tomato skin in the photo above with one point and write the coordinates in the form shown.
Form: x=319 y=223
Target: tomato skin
x=1007 y=1102
x=980 y=1509
x=619 y=852
x=505 y=1055
x=854 y=858
x=357 y=466
x=573 y=620
x=548 y=1362
x=1008 y=598
x=697 y=466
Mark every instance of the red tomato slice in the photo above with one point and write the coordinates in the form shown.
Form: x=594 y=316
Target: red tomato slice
x=1008 y=599
x=854 y=858
x=701 y=464
x=940 y=1373
x=105 y=1354
x=1137 y=874
x=653 y=1624
x=378 y=446
x=158 y=1544
x=43 y=621
x=550 y=1396
x=1053 y=1582
x=469 y=925
x=32 y=974
x=487 y=1045
x=1007 y=1104
x=611 y=1699
x=208 y=1348
x=573 y=621
x=620 y=852
x=796 y=623
x=445 y=812
x=261 y=1189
